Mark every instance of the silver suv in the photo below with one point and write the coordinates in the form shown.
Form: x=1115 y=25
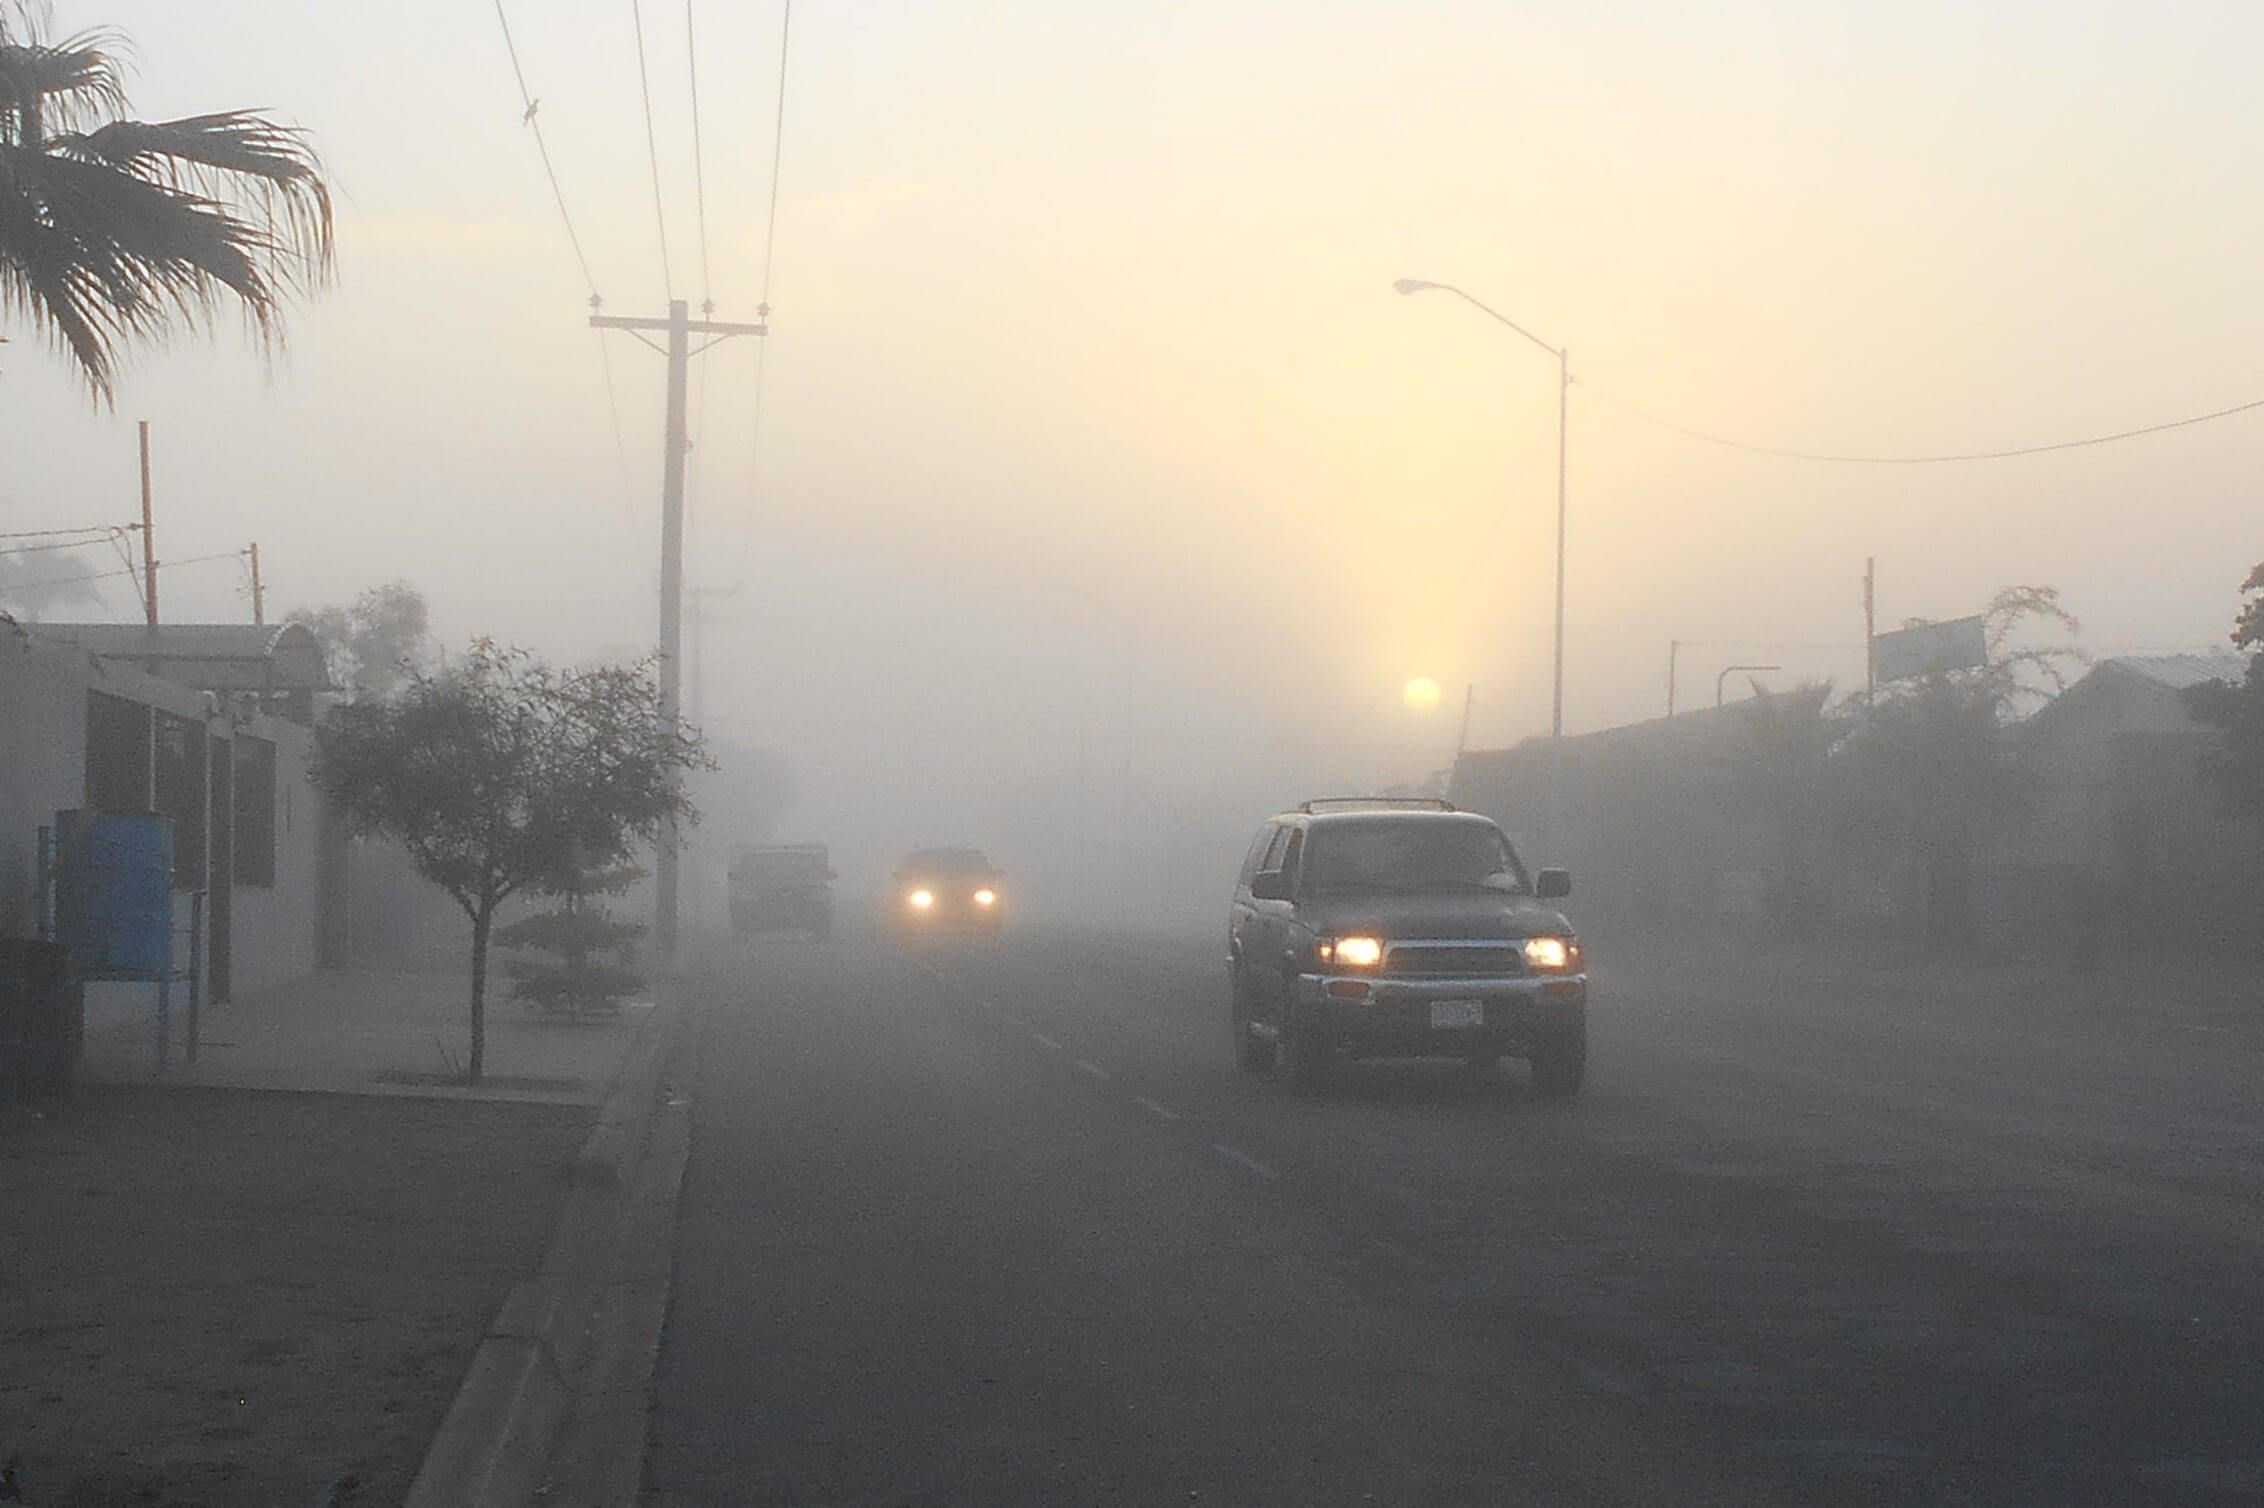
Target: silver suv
x=1373 y=927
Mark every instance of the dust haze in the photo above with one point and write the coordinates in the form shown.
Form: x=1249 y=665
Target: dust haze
x=1093 y=494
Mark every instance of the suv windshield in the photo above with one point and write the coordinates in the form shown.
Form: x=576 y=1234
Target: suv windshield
x=1396 y=853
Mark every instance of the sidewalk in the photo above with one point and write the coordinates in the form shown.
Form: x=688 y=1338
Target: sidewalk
x=366 y=1032
x=260 y=1278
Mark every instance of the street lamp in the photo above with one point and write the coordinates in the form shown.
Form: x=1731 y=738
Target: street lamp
x=1564 y=389
x=1722 y=680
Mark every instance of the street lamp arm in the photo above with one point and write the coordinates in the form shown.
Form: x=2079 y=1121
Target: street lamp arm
x=1419 y=285
x=1721 y=681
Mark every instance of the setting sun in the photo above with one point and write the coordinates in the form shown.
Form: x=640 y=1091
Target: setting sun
x=1420 y=694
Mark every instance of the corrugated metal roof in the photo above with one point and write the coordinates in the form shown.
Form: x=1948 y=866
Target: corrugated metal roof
x=2180 y=671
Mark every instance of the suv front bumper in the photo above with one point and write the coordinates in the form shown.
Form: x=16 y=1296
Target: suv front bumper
x=1386 y=1017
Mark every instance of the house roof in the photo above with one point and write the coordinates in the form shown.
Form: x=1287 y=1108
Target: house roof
x=208 y=656
x=2180 y=671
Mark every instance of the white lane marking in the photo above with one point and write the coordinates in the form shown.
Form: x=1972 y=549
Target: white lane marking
x=1046 y=1042
x=1091 y=1070
x=1160 y=1111
x=1243 y=1159
x=1391 y=1249
x=2196 y=1026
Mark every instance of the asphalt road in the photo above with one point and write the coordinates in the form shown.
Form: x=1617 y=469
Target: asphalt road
x=1003 y=1224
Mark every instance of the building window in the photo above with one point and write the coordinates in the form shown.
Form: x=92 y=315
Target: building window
x=255 y=812
x=117 y=755
x=180 y=783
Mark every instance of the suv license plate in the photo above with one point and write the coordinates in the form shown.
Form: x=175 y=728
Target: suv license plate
x=1458 y=1013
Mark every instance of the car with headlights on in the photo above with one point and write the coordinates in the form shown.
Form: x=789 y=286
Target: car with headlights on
x=1377 y=927
x=947 y=890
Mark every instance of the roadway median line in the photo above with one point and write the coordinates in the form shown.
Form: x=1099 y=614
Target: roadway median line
x=1046 y=1042
x=1159 y=1110
x=1243 y=1160
x=1091 y=1070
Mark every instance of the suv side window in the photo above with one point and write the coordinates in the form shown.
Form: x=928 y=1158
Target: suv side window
x=1275 y=849
x=1255 y=859
x=1292 y=856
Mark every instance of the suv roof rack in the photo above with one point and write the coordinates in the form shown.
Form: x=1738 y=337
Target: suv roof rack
x=1377 y=803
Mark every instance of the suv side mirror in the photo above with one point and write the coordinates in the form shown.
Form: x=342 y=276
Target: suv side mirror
x=1269 y=885
x=1553 y=884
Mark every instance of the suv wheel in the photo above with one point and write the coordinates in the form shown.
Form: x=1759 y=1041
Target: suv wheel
x=1252 y=1053
x=1308 y=1056
x=1559 y=1066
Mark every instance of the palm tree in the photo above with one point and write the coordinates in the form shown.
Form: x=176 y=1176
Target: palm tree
x=115 y=231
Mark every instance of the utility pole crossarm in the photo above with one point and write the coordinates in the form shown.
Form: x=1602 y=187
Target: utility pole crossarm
x=691 y=326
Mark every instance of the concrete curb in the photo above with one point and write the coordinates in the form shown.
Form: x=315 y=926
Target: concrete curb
x=495 y=1443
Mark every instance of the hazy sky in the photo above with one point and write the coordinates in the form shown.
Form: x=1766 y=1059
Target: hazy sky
x=1089 y=401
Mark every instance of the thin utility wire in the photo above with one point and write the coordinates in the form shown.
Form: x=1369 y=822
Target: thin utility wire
x=53 y=544
x=699 y=158
x=652 y=149
x=770 y=232
x=58 y=533
x=1928 y=460
x=707 y=285
x=589 y=279
x=19 y=586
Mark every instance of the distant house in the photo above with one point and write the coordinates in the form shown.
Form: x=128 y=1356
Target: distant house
x=2121 y=814
x=209 y=725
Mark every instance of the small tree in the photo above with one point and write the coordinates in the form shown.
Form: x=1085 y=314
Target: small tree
x=593 y=953
x=1931 y=761
x=1784 y=773
x=374 y=646
x=2236 y=709
x=500 y=774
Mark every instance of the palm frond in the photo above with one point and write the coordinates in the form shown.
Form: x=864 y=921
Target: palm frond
x=228 y=158
x=57 y=87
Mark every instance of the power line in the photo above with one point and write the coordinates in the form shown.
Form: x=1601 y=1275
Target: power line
x=652 y=149
x=58 y=533
x=699 y=160
x=707 y=284
x=50 y=545
x=1928 y=460
x=589 y=279
x=21 y=586
x=770 y=229
x=528 y=100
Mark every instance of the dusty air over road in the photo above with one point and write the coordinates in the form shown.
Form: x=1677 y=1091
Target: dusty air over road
x=1033 y=754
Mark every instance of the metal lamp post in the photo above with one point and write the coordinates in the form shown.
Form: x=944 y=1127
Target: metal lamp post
x=1564 y=391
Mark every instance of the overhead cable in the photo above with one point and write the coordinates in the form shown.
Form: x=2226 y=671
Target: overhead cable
x=1927 y=460
x=770 y=228
x=604 y=358
x=652 y=149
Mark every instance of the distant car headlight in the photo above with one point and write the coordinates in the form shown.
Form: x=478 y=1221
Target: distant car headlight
x=920 y=900
x=1359 y=952
x=1551 y=955
x=986 y=897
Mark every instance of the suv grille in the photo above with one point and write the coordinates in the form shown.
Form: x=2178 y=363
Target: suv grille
x=1493 y=960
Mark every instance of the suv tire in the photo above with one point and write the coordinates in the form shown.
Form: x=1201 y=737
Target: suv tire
x=1559 y=1066
x=1252 y=1053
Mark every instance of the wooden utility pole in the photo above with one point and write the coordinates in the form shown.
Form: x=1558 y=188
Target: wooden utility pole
x=1870 y=629
x=259 y=595
x=149 y=534
x=680 y=328
x=1674 y=651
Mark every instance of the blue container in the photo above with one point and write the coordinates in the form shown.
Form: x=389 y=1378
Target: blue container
x=114 y=893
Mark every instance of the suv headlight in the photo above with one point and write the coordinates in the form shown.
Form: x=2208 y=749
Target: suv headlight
x=1551 y=955
x=1354 y=952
